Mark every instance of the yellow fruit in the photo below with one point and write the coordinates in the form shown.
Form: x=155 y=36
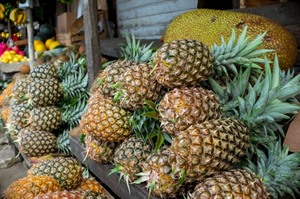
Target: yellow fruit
x=208 y=26
x=15 y=59
x=12 y=52
x=49 y=42
x=9 y=57
x=54 y=45
x=37 y=42
x=40 y=47
x=4 y=60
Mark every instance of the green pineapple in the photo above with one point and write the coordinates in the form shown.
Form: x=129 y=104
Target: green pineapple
x=275 y=174
x=129 y=156
x=44 y=92
x=40 y=143
x=20 y=89
x=20 y=113
x=45 y=118
x=187 y=62
x=66 y=170
x=44 y=71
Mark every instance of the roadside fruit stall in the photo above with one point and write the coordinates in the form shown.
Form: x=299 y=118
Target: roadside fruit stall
x=205 y=114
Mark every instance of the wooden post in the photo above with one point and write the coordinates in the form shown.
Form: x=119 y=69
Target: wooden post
x=92 y=43
x=30 y=35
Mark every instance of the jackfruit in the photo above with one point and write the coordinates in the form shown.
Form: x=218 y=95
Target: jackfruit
x=208 y=26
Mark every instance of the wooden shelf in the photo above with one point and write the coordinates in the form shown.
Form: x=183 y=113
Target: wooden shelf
x=118 y=187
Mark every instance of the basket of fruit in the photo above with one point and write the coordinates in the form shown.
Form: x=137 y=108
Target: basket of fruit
x=11 y=59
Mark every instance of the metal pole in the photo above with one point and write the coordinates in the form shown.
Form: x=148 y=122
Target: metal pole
x=30 y=35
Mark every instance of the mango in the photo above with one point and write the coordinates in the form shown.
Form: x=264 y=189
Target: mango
x=208 y=26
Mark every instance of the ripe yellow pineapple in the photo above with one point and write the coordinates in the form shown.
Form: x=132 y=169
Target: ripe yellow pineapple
x=105 y=120
x=99 y=151
x=31 y=186
x=186 y=62
x=90 y=184
x=182 y=107
x=72 y=194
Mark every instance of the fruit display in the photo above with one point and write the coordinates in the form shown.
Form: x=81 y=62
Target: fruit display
x=193 y=25
x=202 y=116
x=215 y=112
x=13 y=54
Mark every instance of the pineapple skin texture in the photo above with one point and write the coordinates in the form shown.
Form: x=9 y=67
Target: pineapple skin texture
x=208 y=26
x=236 y=183
x=31 y=186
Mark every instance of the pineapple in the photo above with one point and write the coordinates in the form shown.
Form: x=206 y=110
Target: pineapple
x=252 y=112
x=44 y=92
x=73 y=194
x=210 y=146
x=36 y=143
x=187 y=62
x=107 y=79
x=90 y=184
x=158 y=171
x=133 y=54
x=44 y=71
x=40 y=143
x=275 y=174
x=182 y=107
x=20 y=113
x=99 y=151
x=129 y=156
x=136 y=85
x=104 y=120
x=20 y=89
x=65 y=170
x=45 y=118
x=31 y=186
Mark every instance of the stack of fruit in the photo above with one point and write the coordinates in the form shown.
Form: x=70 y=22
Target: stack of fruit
x=50 y=44
x=60 y=177
x=212 y=117
x=18 y=16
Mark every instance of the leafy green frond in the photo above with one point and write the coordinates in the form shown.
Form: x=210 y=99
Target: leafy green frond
x=133 y=50
x=72 y=112
x=63 y=143
x=75 y=84
x=240 y=53
x=278 y=169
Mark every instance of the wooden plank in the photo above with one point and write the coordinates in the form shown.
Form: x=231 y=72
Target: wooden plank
x=152 y=9
x=163 y=18
x=153 y=32
x=92 y=43
x=112 y=182
x=122 y=6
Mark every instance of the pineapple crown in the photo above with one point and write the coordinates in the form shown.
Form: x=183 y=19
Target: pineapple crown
x=263 y=102
x=133 y=50
x=242 y=52
x=278 y=170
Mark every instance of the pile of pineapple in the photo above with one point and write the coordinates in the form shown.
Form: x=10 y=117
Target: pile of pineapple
x=195 y=122
x=189 y=120
x=44 y=106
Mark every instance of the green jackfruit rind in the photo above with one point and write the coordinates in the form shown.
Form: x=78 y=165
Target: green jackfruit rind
x=208 y=26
